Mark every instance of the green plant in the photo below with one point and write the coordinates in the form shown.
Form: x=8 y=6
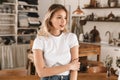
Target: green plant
x=108 y=61
x=118 y=62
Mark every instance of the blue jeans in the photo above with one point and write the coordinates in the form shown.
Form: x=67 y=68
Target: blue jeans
x=56 y=77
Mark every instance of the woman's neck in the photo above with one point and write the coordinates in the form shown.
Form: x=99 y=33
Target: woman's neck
x=56 y=33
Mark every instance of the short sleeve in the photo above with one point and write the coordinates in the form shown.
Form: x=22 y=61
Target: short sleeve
x=73 y=41
x=38 y=43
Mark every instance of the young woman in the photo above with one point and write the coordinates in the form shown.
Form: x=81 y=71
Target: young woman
x=55 y=50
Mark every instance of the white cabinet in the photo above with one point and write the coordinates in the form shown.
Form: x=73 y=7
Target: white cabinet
x=13 y=56
x=28 y=22
x=19 y=21
x=112 y=51
x=8 y=22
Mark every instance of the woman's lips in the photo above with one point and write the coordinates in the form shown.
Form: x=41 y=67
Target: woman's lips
x=61 y=25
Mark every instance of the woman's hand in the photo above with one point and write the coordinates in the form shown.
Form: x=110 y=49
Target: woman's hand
x=75 y=64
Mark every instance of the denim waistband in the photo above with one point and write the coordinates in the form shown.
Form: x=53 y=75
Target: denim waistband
x=56 y=77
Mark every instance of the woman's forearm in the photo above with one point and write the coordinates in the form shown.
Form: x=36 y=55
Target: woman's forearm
x=49 y=71
x=73 y=75
x=52 y=70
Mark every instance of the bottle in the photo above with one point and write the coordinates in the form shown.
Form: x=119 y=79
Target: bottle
x=94 y=35
x=81 y=37
x=86 y=37
x=112 y=3
x=92 y=3
x=119 y=35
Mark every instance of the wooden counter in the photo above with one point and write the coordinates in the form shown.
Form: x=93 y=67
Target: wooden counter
x=30 y=77
x=89 y=49
x=81 y=76
x=95 y=76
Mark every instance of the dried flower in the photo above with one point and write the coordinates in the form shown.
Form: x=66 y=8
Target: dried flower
x=118 y=62
x=108 y=61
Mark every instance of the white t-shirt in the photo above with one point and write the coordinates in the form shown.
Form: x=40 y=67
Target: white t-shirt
x=56 y=49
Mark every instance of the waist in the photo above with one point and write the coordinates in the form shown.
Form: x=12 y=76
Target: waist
x=56 y=77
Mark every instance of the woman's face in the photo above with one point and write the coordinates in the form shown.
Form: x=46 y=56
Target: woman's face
x=59 y=20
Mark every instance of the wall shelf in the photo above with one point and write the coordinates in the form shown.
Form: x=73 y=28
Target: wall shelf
x=7 y=14
x=27 y=11
x=7 y=34
x=101 y=7
x=7 y=24
x=27 y=28
x=102 y=21
x=29 y=5
x=27 y=35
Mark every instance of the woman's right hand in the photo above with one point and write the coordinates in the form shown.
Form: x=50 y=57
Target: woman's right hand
x=75 y=64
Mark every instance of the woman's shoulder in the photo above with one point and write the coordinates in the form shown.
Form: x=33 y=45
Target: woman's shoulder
x=69 y=34
x=39 y=38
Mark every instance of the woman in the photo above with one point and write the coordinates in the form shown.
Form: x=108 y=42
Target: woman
x=55 y=50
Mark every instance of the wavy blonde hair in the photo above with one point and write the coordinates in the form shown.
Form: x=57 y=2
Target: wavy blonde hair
x=46 y=24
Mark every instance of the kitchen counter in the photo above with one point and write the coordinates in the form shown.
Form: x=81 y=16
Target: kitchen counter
x=87 y=49
x=102 y=44
x=105 y=50
x=81 y=76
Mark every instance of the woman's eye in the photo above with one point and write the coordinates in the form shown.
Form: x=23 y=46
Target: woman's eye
x=59 y=17
x=65 y=18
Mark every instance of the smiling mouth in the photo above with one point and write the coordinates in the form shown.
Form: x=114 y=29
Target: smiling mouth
x=62 y=26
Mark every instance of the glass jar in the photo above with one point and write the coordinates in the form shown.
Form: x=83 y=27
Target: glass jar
x=112 y=3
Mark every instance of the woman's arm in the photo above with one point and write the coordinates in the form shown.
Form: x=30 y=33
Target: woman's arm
x=75 y=57
x=44 y=71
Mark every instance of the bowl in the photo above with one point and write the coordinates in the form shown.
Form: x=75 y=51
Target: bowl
x=97 y=69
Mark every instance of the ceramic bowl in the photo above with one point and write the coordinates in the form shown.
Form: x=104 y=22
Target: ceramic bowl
x=96 y=69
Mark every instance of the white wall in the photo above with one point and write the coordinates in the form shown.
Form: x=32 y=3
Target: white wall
x=43 y=7
x=113 y=27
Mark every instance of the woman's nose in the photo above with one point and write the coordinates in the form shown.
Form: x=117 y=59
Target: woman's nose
x=63 y=20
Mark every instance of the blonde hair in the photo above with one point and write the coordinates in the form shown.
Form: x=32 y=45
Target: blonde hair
x=46 y=24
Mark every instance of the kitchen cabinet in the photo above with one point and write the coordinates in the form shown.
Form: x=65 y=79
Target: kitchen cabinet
x=87 y=49
x=113 y=51
x=13 y=56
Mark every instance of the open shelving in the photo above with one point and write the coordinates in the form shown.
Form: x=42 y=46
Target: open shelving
x=10 y=17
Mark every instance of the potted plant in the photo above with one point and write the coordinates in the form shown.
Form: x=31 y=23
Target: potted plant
x=108 y=64
x=118 y=65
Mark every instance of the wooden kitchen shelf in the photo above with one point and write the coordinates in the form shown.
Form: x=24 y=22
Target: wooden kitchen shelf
x=103 y=21
x=101 y=7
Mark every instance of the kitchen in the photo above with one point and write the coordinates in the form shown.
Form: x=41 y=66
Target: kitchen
x=113 y=27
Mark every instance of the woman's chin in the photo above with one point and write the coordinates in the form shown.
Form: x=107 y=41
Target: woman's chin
x=62 y=29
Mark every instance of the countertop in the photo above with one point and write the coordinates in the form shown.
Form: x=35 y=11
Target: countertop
x=102 y=44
